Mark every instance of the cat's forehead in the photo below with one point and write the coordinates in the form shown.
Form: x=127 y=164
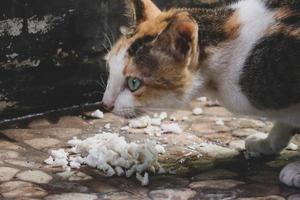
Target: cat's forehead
x=148 y=28
x=121 y=44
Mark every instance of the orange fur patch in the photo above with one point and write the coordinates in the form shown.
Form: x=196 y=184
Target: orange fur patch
x=151 y=11
x=284 y=13
x=289 y=30
x=232 y=26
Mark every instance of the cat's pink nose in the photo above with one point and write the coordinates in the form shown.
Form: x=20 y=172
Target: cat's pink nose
x=108 y=104
x=108 y=101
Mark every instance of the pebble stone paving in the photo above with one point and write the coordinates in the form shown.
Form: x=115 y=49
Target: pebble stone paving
x=215 y=171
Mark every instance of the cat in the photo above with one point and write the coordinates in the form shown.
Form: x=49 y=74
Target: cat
x=246 y=55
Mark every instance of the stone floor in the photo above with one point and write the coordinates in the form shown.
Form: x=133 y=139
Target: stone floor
x=217 y=170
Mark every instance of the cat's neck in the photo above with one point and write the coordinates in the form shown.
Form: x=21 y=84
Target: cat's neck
x=211 y=24
x=216 y=27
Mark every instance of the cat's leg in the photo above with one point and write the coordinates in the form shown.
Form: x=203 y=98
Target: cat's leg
x=274 y=143
x=290 y=175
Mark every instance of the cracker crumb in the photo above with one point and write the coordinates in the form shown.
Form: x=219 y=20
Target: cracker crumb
x=124 y=128
x=110 y=153
x=141 y=122
x=173 y=128
x=59 y=158
x=153 y=131
x=163 y=115
x=143 y=179
x=97 y=114
x=49 y=160
x=156 y=121
x=220 y=122
x=185 y=118
x=202 y=99
x=107 y=126
x=172 y=118
x=197 y=111
x=292 y=147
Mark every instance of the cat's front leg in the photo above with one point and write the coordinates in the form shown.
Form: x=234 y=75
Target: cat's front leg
x=272 y=144
x=290 y=174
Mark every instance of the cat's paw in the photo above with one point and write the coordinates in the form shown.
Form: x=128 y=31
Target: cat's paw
x=290 y=175
x=257 y=144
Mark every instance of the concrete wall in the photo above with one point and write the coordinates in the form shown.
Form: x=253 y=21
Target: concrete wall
x=51 y=52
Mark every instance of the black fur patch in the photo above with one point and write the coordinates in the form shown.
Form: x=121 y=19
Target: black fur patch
x=136 y=45
x=293 y=20
x=295 y=4
x=140 y=51
x=211 y=25
x=145 y=62
x=139 y=8
x=271 y=74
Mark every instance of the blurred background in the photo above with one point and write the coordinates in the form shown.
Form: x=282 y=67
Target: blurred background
x=51 y=52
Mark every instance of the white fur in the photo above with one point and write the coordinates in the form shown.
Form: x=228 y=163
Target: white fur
x=124 y=103
x=116 y=77
x=192 y=91
x=255 y=19
x=273 y=143
x=116 y=94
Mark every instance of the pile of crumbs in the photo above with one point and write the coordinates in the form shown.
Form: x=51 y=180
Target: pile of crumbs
x=155 y=126
x=110 y=153
x=113 y=155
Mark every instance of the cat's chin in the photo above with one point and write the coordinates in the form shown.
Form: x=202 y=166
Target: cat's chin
x=128 y=113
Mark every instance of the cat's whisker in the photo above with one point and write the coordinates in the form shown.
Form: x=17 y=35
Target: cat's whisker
x=108 y=40
x=98 y=83
x=103 y=83
x=110 y=33
x=105 y=47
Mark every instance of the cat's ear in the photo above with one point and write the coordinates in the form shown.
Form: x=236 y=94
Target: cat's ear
x=183 y=31
x=141 y=10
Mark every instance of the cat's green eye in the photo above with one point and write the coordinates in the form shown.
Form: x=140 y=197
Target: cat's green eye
x=133 y=83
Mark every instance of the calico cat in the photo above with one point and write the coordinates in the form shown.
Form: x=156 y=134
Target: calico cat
x=246 y=55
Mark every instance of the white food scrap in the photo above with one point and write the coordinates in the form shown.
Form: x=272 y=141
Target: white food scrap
x=292 y=147
x=143 y=179
x=97 y=114
x=171 y=128
x=172 y=118
x=141 y=122
x=112 y=154
x=49 y=160
x=153 y=131
x=163 y=116
x=155 y=121
x=197 y=111
x=59 y=158
x=107 y=126
x=220 y=122
x=185 y=118
x=202 y=99
x=124 y=128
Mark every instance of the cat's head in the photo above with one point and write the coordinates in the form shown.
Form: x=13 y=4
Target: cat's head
x=153 y=64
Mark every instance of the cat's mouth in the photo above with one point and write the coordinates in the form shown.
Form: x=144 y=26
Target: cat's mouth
x=129 y=112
